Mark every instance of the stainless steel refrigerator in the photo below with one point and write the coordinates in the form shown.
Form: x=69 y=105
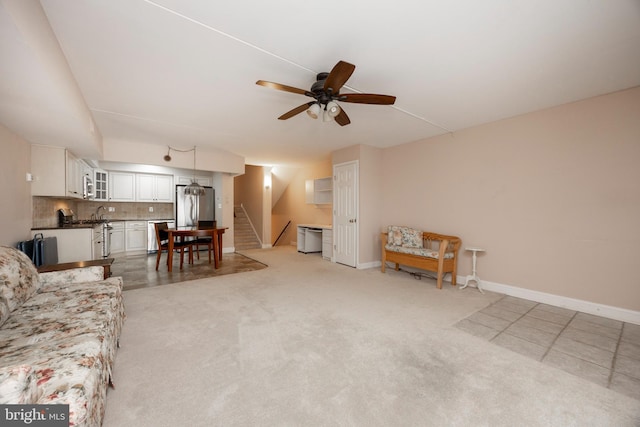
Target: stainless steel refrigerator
x=191 y=209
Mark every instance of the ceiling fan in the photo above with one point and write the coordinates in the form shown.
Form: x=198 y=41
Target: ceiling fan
x=326 y=91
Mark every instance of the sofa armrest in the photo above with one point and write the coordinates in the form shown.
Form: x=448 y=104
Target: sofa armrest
x=73 y=275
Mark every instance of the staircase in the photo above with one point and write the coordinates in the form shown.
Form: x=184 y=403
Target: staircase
x=244 y=236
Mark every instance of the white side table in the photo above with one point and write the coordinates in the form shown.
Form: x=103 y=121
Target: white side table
x=473 y=277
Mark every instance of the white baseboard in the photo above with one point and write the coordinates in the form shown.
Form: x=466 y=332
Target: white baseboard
x=228 y=250
x=266 y=245
x=603 y=310
x=368 y=265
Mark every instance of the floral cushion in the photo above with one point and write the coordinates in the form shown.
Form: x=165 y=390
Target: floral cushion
x=18 y=385
x=4 y=307
x=74 y=275
x=404 y=236
x=423 y=252
x=18 y=276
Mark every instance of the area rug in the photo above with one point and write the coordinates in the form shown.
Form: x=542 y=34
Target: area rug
x=139 y=271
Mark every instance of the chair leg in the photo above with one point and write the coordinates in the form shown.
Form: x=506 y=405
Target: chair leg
x=181 y=257
x=158 y=259
x=198 y=251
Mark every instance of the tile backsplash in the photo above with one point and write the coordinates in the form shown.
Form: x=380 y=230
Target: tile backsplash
x=45 y=210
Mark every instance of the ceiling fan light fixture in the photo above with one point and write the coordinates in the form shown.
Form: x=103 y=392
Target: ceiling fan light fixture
x=314 y=111
x=333 y=109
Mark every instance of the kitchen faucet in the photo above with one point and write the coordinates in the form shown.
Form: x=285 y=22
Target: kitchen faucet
x=98 y=210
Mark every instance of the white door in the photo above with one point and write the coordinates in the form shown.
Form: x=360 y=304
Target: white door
x=345 y=213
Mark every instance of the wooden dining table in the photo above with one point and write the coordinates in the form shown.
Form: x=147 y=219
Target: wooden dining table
x=216 y=238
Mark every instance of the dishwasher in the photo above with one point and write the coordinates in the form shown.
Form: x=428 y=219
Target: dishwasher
x=152 y=243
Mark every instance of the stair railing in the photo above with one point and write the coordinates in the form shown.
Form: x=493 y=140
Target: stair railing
x=282 y=232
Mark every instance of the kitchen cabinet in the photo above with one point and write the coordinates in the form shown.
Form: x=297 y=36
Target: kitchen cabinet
x=135 y=234
x=122 y=186
x=74 y=244
x=117 y=237
x=74 y=176
x=154 y=188
x=186 y=180
x=319 y=191
x=100 y=184
x=56 y=172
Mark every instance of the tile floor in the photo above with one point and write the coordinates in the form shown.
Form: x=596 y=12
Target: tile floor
x=139 y=271
x=601 y=350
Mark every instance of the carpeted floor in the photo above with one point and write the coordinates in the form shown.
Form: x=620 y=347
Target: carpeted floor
x=306 y=342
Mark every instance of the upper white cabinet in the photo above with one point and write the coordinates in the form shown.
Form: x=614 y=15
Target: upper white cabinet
x=319 y=191
x=57 y=172
x=154 y=188
x=140 y=187
x=122 y=186
x=101 y=184
x=186 y=180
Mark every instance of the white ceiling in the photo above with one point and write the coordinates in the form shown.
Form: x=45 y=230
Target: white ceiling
x=183 y=73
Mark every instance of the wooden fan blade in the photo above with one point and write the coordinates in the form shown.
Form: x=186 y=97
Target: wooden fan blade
x=339 y=76
x=342 y=119
x=284 y=87
x=368 y=98
x=296 y=111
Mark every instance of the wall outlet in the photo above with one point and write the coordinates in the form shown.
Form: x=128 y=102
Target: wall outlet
x=112 y=209
x=150 y=208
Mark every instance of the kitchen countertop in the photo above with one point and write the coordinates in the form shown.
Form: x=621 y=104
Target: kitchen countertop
x=68 y=227
x=91 y=225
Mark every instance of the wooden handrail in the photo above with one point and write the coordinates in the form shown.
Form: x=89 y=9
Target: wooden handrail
x=282 y=232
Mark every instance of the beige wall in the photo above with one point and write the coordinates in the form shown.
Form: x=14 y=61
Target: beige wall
x=292 y=205
x=553 y=196
x=15 y=191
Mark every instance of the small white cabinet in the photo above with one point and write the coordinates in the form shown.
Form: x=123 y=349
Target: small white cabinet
x=319 y=191
x=122 y=186
x=186 y=180
x=100 y=184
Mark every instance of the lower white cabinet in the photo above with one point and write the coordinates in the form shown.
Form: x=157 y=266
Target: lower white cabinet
x=117 y=237
x=74 y=244
x=135 y=234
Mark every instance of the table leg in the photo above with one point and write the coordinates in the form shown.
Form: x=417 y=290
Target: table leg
x=219 y=245
x=216 y=245
x=170 y=253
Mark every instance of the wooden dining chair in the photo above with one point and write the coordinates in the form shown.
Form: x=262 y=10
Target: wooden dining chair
x=205 y=240
x=162 y=237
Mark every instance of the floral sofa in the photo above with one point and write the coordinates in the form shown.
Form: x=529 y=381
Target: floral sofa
x=58 y=336
x=421 y=249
